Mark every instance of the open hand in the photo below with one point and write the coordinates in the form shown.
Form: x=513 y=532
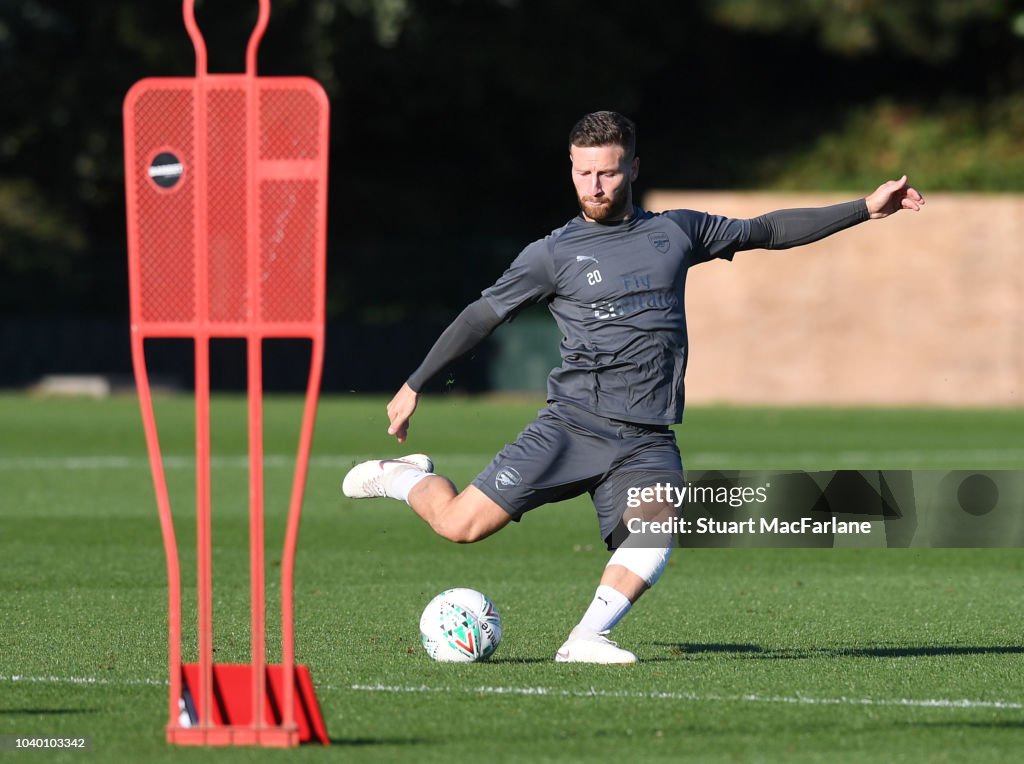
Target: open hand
x=893 y=196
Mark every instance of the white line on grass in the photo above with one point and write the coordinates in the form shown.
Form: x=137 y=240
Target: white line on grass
x=83 y=680
x=696 y=697
x=857 y=459
x=793 y=460
x=551 y=692
x=179 y=462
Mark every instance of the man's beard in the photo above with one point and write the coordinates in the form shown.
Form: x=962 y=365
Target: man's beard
x=613 y=209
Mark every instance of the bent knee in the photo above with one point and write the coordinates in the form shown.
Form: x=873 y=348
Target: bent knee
x=470 y=516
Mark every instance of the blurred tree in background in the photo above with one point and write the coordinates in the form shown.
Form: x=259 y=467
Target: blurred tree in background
x=450 y=120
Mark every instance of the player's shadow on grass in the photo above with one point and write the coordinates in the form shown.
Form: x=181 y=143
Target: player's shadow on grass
x=691 y=648
x=911 y=652
x=756 y=652
x=366 y=742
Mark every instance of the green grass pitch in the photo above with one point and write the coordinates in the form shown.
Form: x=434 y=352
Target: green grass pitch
x=747 y=655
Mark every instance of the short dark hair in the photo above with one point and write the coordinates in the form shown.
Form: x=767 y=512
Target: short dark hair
x=605 y=128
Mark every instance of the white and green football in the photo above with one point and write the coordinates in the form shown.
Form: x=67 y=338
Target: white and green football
x=460 y=626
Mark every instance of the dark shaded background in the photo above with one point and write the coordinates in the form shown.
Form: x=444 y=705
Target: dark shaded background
x=449 y=124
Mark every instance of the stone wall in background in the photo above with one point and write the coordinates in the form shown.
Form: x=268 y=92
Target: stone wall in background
x=923 y=308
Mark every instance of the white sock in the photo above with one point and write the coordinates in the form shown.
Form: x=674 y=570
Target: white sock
x=404 y=481
x=607 y=609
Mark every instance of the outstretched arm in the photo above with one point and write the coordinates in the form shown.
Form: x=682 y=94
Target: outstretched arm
x=795 y=227
x=471 y=326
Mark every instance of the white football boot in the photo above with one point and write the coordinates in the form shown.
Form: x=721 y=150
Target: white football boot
x=584 y=646
x=373 y=478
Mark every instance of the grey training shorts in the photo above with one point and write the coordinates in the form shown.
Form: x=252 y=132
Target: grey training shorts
x=567 y=451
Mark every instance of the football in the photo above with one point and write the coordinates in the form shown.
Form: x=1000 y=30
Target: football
x=460 y=626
